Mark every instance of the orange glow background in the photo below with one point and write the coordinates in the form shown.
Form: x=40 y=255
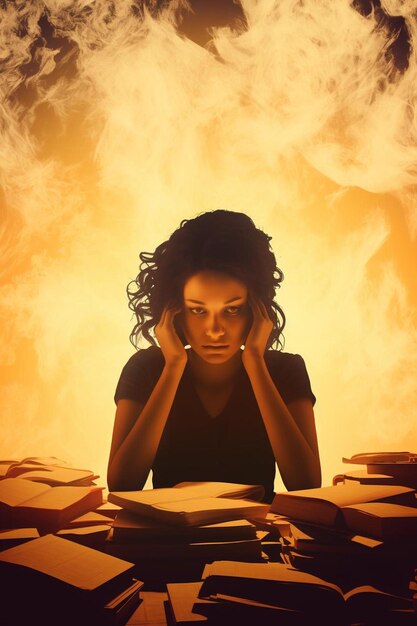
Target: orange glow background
x=115 y=126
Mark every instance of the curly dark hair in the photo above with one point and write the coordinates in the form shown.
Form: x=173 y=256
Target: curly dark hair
x=223 y=241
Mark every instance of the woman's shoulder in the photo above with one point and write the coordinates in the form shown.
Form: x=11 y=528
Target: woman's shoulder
x=279 y=359
x=145 y=358
x=289 y=373
x=140 y=374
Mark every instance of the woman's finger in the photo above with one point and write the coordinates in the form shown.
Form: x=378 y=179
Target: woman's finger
x=263 y=310
x=254 y=303
x=171 y=313
x=167 y=313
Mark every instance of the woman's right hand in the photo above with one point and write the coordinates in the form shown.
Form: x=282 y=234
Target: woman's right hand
x=170 y=344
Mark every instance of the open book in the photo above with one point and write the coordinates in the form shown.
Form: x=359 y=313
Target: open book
x=278 y=585
x=60 y=579
x=323 y=505
x=381 y=520
x=27 y=503
x=196 y=503
x=49 y=470
x=186 y=608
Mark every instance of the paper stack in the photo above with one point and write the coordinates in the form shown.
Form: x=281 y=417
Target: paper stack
x=173 y=532
x=390 y=468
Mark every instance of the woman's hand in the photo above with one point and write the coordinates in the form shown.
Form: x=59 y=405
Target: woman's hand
x=260 y=331
x=171 y=346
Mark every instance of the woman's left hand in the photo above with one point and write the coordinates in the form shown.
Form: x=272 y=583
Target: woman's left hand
x=260 y=331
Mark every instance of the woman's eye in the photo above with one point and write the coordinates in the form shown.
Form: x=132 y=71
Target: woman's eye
x=231 y=310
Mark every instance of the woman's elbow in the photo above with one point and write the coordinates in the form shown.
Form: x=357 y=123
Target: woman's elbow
x=309 y=479
x=118 y=481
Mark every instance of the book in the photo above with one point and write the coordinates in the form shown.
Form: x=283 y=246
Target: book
x=108 y=508
x=130 y=527
x=183 y=598
x=362 y=476
x=365 y=458
x=56 y=573
x=381 y=520
x=187 y=608
x=276 y=584
x=51 y=474
x=400 y=466
x=91 y=518
x=270 y=583
x=245 y=549
x=192 y=504
x=322 y=505
x=119 y=609
x=320 y=540
x=93 y=536
x=152 y=611
x=11 y=537
x=26 y=503
x=6 y=465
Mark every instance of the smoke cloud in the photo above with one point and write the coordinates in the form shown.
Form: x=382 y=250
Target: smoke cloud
x=117 y=121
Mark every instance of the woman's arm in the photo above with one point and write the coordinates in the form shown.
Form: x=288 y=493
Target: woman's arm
x=135 y=441
x=291 y=429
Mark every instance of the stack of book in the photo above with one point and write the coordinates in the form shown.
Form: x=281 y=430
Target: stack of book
x=44 y=494
x=352 y=533
x=64 y=583
x=351 y=548
x=382 y=468
x=187 y=526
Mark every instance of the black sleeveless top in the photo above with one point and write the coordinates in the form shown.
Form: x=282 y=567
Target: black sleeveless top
x=231 y=447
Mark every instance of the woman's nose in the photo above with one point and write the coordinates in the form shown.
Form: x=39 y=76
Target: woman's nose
x=214 y=328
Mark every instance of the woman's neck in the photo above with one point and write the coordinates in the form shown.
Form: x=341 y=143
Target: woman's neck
x=213 y=375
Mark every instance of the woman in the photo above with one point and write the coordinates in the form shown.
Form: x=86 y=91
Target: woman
x=228 y=407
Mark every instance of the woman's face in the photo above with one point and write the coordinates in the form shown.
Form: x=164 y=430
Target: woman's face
x=215 y=313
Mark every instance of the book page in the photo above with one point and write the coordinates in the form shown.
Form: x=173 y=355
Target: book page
x=183 y=597
x=51 y=475
x=184 y=491
x=19 y=533
x=126 y=519
x=226 y=490
x=384 y=509
x=67 y=561
x=349 y=493
x=265 y=571
x=16 y=491
x=59 y=498
x=195 y=505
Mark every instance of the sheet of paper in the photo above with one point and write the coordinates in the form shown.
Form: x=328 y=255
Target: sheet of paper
x=66 y=560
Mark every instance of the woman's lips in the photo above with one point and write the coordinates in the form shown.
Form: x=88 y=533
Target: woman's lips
x=223 y=347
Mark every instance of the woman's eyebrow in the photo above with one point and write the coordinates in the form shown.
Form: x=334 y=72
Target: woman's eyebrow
x=227 y=302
